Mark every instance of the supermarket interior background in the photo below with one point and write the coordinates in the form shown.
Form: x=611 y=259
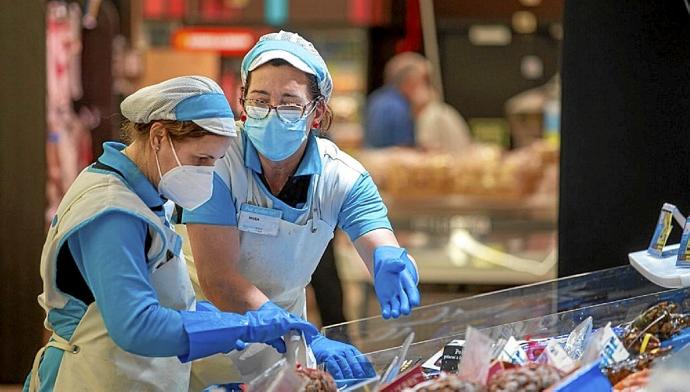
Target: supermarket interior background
x=564 y=126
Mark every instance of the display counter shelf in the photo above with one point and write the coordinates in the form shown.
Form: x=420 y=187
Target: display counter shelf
x=546 y=326
x=622 y=289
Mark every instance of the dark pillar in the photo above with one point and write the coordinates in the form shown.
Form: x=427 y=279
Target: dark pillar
x=22 y=183
x=97 y=76
x=625 y=127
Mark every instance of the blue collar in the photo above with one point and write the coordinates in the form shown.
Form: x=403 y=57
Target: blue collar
x=131 y=174
x=310 y=163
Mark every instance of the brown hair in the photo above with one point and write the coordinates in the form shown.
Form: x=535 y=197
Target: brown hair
x=314 y=90
x=177 y=130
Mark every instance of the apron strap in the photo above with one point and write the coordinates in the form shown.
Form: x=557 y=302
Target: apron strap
x=315 y=203
x=55 y=341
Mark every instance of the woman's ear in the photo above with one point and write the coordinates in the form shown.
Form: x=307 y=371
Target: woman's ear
x=157 y=135
x=319 y=112
x=317 y=115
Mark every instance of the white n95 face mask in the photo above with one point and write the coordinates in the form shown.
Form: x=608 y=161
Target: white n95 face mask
x=186 y=185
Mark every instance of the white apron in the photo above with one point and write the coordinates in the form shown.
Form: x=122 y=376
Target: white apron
x=280 y=266
x=91 y=360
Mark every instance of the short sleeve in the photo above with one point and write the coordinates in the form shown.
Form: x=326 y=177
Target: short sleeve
x=218 y=210
x=363 y=209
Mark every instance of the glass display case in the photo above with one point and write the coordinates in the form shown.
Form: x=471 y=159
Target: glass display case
x=465 y=240
x=558 y=324
x=549 y=308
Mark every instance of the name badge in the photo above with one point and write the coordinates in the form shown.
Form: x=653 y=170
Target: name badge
x=259 y=220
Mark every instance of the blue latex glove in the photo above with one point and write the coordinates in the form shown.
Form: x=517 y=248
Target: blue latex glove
x=206 y=306
x=219 y=332
x=395 y=281
x=341 y=360
x=279 y=343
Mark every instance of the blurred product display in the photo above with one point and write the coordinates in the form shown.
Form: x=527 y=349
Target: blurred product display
x=68 y=145
x=484 y=171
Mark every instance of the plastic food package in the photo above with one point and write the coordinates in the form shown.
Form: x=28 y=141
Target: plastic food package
x=555 y=355
x=476 y=357
x=280 y=377
x=576 y=341
x=604 y=345
x=510 y=351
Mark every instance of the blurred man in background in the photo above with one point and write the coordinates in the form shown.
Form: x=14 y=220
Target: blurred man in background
x=389 y=118
x=408 y=112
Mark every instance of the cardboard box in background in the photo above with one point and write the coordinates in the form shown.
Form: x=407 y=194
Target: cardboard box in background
x=165 y=63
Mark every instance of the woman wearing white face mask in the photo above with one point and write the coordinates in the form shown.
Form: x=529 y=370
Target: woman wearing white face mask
x=281 y=194
x=116 y=288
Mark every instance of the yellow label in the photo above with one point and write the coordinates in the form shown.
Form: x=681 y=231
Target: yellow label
x=645 y=342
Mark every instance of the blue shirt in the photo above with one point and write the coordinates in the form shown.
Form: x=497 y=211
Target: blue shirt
x=109 y=252
x=388 y=120
x=124 y=295
x=362 y=211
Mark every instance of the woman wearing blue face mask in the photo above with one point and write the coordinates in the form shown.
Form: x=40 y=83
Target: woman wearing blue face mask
x=116 y=290
x=279 y=194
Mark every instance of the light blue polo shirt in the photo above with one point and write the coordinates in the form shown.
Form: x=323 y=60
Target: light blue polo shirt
x=363 y=209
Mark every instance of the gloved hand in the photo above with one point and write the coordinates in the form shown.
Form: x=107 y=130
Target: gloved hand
x=219 y=332
x=206 y=306
x=395 y=281
x=278 y=343
x=341 y=360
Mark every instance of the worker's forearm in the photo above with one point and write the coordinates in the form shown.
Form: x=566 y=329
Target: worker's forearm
x=367 y=243
x=231 y=292
x=216 y=251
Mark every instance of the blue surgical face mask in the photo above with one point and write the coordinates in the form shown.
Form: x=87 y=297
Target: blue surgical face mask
x=275 y=139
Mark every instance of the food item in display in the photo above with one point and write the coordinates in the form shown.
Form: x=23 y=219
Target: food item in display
x=317 y=380
x=657 y=323
x=634 y=382
x=482 y=170
x=448 y=383
x=531 y=377
x=621 y=370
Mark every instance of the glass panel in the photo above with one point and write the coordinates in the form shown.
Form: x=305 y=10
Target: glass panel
x=497 y=308
x=548 y=325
